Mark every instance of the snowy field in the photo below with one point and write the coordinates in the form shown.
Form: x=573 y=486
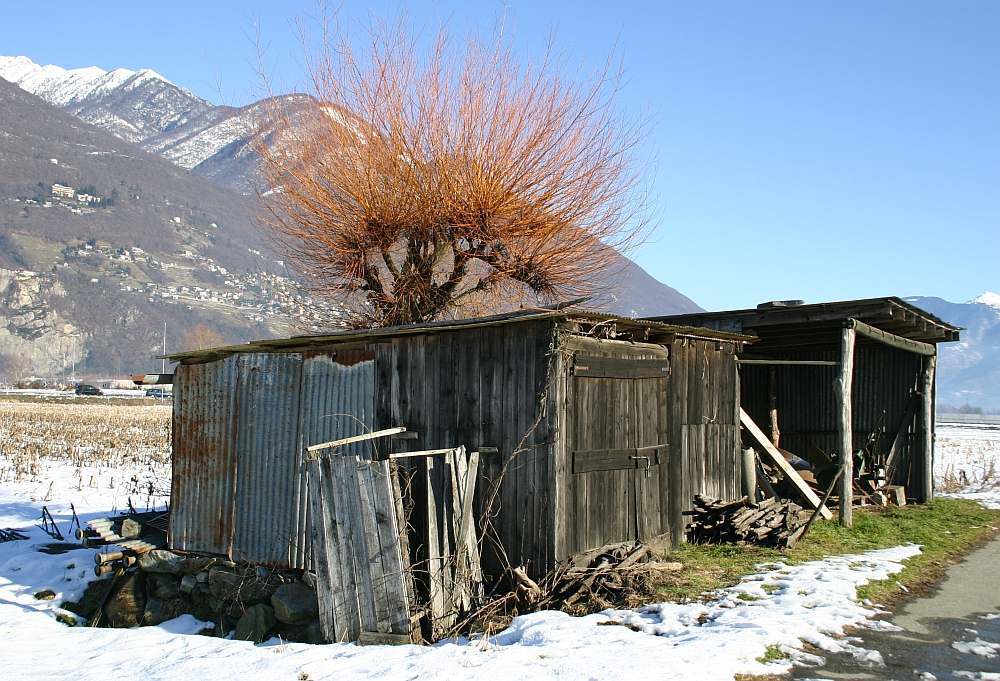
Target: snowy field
x=98 y=473
x=967 y=462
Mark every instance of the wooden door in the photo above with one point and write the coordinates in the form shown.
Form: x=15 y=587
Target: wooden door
x=617 y=449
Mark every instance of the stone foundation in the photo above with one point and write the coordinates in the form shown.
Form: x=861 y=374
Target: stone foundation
x=253 y=601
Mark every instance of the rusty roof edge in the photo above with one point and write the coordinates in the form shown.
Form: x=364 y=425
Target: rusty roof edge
x=536 y=314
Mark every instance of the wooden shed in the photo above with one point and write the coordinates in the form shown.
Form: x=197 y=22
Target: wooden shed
x=852 y=375
x=591 y=429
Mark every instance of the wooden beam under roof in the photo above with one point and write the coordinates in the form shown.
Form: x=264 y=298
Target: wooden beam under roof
x=890 y=339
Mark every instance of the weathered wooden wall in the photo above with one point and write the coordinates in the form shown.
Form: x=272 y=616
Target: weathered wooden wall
x=596 y=441
x=704 y=424
x=481 y=387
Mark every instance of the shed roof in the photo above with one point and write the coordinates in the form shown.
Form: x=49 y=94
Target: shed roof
x=653 y=329
x=812 y=324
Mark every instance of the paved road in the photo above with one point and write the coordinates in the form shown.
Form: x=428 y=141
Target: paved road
x=964 y=611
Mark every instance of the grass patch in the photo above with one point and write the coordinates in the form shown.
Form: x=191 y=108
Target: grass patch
x=945 y=528
x=772 y=654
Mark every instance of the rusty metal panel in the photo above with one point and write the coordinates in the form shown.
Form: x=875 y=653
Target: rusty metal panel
x=269 y=490
x=339 y=399
x=204 y=457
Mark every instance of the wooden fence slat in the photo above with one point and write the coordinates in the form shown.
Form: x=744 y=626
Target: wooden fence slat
x=391 y=556
x=348 y=619
x=371 y=558
x=435 y=562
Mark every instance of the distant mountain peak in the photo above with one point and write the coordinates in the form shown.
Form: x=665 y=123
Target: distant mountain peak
x=988 y=298
x=61 y=86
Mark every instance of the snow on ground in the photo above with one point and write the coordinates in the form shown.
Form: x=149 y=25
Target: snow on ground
x=780 y=606
x=967 y=462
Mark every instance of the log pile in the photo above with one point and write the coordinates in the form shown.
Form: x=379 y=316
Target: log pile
x=609 y=575
x=772 y=522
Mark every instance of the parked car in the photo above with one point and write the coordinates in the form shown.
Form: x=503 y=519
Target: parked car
x=87 y=389
x=159 y=393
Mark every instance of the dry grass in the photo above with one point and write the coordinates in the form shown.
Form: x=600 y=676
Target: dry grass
x=106 y=444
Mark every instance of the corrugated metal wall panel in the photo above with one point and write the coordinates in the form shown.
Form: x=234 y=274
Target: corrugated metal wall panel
x=204 y=457
x=884 y=379
x=270 y=494
x=339 y=399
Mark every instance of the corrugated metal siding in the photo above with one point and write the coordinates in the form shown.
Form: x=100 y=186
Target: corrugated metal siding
x=884 y=379
x=270 y=494
x=339 y=399
x=204 y=457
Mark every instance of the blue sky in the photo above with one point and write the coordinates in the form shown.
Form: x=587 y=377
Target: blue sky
x=814 y=150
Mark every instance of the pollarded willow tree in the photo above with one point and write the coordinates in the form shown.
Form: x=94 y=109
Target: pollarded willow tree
x=446 y=182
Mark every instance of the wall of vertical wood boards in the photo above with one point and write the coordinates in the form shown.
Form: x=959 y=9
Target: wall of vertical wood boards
x=704 y=424
x=884 y=380
x=510 y=387
x=480 y=387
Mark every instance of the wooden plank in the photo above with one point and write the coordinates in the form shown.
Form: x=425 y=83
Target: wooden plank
x=618 y=459
x=336 y=503
x=461 y=518
x=779 y=460
x=424 y=452
x=374 y=554
x=326 y=577
x=406 y=556
x=435 y=563
x=355 y=438
x=596 y=366
x=471 y=543
x=393 y=563
x=845 y=425
x=891 y=339
x=902 y=428
x=354 y=539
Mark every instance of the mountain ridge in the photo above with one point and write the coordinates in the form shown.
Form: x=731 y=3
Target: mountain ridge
x=968 y=370
x=133 y=241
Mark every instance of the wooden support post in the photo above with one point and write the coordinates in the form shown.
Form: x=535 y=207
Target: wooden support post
x=750 y=474
x=927 y=427
x=772 y=394
x=778 y=460
x=845 y=435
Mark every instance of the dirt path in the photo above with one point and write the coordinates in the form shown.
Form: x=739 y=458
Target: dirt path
x=954 y=633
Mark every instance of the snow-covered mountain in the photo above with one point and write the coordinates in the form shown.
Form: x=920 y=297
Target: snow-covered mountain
x=969 y=370
x=133 y=105
x=145 y=108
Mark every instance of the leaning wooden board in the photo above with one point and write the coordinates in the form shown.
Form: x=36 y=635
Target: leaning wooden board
x=785 y=467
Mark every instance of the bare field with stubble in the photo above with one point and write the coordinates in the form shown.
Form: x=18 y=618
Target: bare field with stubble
x=62 y=450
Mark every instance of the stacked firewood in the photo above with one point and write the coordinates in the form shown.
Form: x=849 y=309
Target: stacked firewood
x=772 y=522
x=604 y=576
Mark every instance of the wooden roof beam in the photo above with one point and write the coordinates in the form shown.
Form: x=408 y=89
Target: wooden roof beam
x=891 y=339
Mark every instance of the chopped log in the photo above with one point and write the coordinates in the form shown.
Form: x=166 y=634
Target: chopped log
x=773 y=522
